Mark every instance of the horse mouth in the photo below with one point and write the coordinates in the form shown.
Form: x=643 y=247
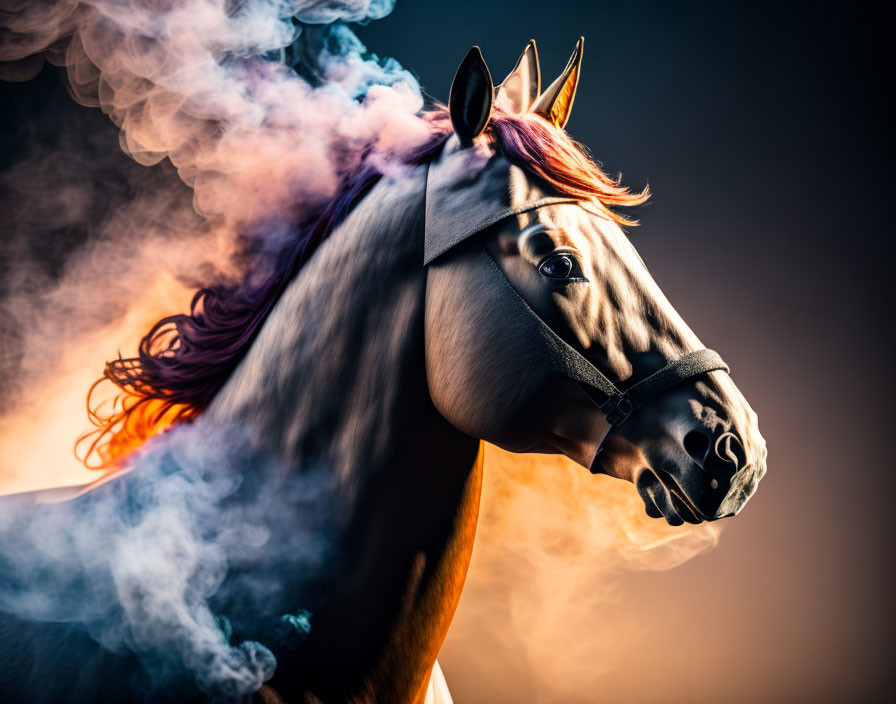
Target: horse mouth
x=666 y=500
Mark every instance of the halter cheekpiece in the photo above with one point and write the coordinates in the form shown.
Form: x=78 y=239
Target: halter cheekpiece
x=465 y=194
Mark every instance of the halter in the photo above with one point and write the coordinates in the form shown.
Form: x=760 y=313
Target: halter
x=467 y=193
x=616 y=405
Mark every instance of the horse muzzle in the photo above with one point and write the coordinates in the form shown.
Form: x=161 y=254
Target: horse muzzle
x=715 y=481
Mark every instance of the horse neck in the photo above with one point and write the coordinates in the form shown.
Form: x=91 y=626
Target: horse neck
x=336 y=375
x=336 y=380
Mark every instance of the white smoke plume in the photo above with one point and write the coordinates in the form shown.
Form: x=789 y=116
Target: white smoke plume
x=195 y=562
x=260 y=107
x=205 y=83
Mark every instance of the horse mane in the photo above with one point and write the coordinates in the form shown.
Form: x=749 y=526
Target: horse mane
x=185 y=359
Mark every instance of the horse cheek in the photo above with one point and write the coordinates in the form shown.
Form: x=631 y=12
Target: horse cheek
x=481 y=368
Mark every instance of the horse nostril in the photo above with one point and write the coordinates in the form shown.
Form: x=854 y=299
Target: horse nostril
x=696 y=444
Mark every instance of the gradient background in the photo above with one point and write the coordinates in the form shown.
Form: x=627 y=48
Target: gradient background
x=763 y=133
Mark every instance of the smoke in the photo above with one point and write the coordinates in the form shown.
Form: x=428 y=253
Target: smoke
x=95 y=249
x=197 y=543
x=205 y=84
x=251 y=114
x=552 y=546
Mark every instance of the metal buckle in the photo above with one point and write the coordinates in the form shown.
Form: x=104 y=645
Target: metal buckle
x=618 y=409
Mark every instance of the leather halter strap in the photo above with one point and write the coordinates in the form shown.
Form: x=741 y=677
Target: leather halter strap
x=616 y=405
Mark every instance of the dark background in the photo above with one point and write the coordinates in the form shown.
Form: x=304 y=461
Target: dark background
x=765 y=136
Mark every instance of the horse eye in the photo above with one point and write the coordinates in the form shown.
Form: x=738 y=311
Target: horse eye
x=560 y=267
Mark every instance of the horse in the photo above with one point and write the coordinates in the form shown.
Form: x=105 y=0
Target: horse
x=483 y=290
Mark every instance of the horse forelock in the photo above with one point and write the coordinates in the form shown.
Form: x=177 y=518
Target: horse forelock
x=185 y=359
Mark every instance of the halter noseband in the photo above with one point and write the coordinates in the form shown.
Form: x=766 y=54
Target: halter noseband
x=616 y=405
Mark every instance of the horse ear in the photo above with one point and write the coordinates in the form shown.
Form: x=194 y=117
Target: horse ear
x=523 y=84
x=555 y=103
x=470 y=99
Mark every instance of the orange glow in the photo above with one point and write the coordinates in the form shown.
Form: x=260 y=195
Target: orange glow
x=123 y=423
x=552 y=546
x=37 y=439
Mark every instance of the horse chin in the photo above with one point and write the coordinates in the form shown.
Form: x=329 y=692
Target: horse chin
x=551 y=444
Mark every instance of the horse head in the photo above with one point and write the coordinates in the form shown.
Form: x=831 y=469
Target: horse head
x=544 y=330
